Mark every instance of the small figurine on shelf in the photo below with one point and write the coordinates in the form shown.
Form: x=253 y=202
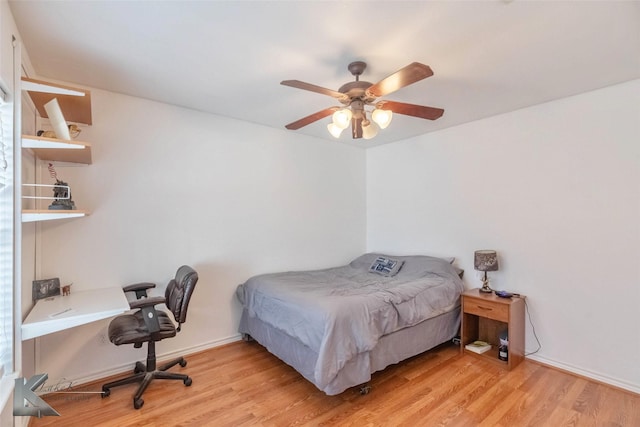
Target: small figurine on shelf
x=66 y=290
x=61 y=193
x=74 y=131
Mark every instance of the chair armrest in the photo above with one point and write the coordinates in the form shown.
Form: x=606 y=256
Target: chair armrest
x=148 y=311
x=139 y=288
x=146 y=302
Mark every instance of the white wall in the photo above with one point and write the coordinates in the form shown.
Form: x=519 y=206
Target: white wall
x=555 y=189
x=171 y=186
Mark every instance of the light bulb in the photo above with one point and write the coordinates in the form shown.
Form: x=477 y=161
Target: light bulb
x=382 y=117
x=369 y=131
x=342 y=118
x=334 y=130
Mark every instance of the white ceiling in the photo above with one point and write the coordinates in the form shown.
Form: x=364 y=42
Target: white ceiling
x=228 y=57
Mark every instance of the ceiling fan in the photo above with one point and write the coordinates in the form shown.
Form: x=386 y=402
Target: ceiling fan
x=356 y=95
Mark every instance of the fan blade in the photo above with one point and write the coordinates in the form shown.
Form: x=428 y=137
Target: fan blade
x=404 y=77
x=313 y=88
x=311 y=118
x=430 y=113
x=356 y=128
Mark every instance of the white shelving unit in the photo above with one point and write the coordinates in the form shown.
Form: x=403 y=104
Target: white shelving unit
x=76 y=106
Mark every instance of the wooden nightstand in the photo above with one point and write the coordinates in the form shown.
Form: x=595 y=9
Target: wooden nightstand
x=485 y=316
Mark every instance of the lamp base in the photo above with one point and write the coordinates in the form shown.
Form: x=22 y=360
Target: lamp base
x=485 y=288
x=485 y=284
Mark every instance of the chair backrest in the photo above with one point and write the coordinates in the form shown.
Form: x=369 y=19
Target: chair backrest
x=178 y=292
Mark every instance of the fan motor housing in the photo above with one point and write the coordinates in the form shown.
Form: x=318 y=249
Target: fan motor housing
x=355 y=90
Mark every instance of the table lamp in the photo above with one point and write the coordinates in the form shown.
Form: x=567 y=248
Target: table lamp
x=485 y=260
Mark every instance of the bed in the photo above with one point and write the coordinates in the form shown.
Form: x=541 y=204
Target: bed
x=339 y=325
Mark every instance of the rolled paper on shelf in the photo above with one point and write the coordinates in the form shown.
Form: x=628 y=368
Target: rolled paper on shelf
x=57 y=119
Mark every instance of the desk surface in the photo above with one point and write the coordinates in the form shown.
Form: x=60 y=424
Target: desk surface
x=63 y=312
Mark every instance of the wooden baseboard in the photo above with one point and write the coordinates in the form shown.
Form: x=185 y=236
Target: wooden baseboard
x=115 y=371
x=590 y=376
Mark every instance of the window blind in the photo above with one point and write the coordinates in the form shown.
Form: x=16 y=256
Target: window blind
x=6 y=236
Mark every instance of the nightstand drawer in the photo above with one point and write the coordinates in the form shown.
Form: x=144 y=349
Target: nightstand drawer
x=489 y=309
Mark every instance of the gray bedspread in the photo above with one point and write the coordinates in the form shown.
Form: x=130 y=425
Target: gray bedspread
x=343 y=311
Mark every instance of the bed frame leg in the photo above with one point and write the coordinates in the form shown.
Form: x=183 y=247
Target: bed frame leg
x=365 y=389
x=247 y=338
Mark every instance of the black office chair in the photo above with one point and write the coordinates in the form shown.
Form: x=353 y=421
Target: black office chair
x=150 y=325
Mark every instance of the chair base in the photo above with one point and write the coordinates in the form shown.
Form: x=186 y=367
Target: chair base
x=144 y=377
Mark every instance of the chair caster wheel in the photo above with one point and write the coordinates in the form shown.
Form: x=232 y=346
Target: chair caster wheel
x=105 y=393
x=187 y=382
x=137 y=403
x=183 y=363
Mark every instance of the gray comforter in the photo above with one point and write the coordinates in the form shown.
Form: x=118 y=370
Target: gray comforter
x=341 y=312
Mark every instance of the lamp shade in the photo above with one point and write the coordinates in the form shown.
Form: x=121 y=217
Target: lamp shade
x=342 y=118
x=382 y=117
x=485 y=260
x=334 y=130
x=370 y=130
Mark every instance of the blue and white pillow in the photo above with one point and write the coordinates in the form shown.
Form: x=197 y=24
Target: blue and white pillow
x=386 y=266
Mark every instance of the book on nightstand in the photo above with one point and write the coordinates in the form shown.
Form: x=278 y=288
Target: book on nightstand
x=478 y=347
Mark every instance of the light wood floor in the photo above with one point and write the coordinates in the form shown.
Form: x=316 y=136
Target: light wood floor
x=241 y=384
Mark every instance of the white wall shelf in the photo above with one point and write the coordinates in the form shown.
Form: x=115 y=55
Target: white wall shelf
x=31 y=215
x=53 y=149
x=75 y=103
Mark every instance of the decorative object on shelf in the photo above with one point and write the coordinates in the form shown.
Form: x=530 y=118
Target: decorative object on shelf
x=74 y=131
x=478 y=347
x=57 y=119
x=503 y=350
x=46 y=133
x=485 y=260
x=45 y=288
x=66 y=290
x=61 y=193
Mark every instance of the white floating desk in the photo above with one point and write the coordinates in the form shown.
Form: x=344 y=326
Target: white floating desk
x=63 y=312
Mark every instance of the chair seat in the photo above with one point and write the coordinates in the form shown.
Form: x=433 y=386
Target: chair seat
x=131 y=329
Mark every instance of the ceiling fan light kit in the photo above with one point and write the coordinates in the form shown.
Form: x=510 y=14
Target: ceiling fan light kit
x=356 y=95
x=382 y=117
x=369 y=130
x=334 y=130
x=342 y=118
